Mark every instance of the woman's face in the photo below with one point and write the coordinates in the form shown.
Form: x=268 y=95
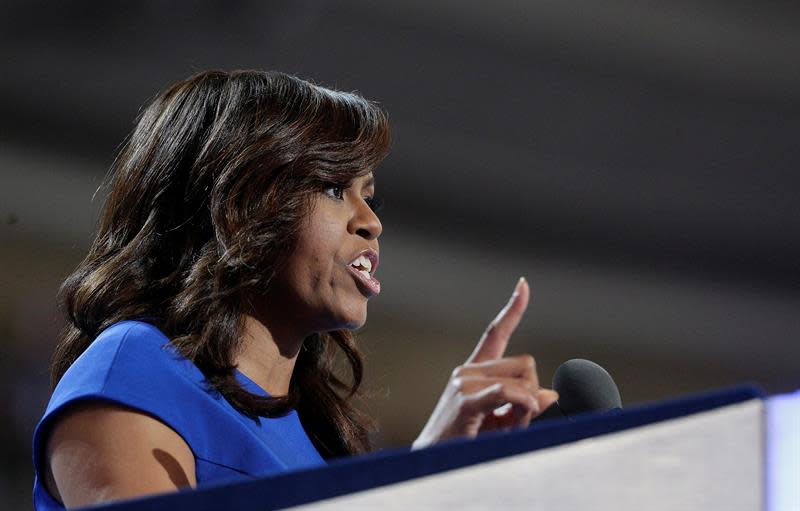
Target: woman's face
x=328 y=280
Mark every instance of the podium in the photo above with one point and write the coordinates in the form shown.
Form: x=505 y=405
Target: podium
x=731 y=449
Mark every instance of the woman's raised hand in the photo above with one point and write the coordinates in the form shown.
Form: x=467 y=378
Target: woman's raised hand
x=490 y=391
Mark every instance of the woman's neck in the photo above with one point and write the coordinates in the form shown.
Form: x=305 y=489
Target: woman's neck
x=267 y=355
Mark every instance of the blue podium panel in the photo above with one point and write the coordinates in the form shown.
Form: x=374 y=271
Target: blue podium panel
x=706 y=428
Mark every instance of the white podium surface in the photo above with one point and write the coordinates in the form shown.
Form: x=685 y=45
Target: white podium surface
x=783 y=453
x=708 y=461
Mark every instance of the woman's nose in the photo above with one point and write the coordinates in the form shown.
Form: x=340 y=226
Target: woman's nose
x=365 y=222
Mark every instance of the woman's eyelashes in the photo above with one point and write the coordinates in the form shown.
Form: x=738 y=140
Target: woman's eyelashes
x=334 y=191
x=337 y=192
x=374 y=203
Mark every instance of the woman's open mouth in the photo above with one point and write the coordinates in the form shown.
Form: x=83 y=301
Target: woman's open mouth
x=362 y=269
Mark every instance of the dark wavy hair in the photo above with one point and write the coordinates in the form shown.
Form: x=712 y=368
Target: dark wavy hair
x=206 y=198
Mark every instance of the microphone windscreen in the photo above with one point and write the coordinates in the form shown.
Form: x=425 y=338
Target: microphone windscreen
x=584 y=386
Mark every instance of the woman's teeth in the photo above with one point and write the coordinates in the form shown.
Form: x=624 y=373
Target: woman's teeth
x=363 y=265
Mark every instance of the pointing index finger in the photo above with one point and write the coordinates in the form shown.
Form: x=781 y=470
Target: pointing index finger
x=494 y=340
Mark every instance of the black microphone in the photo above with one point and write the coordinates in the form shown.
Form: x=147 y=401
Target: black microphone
x=582 y=386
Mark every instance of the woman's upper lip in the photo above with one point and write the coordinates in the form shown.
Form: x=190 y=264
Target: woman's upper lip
x=370 y=254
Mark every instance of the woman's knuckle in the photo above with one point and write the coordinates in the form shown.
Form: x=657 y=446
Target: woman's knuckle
x=501 y=390
x=465 y=369
x=463 y=404
x=528 y=361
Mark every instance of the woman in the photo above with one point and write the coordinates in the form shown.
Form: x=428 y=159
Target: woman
x=235 y=255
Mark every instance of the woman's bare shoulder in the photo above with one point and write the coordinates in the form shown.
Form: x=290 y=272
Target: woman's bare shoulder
x=99 y=451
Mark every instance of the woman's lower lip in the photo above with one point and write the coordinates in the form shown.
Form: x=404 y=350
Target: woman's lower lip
x=369 y=286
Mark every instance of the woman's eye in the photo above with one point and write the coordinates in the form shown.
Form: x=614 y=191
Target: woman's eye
x=374 y=203
x=334 y=191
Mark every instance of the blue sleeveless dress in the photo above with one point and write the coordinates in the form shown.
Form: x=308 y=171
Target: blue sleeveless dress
x=132 y=363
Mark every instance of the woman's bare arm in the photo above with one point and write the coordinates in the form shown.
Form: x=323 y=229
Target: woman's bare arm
x=101 y=452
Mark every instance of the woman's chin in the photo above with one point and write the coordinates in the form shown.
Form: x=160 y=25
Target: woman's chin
x=351 y=319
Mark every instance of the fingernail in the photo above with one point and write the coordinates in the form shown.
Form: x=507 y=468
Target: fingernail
x=517 y=286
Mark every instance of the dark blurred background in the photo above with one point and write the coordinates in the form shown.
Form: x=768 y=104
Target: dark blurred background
x=636 y=161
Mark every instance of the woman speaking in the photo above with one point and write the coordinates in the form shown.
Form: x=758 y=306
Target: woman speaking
x=235 y=255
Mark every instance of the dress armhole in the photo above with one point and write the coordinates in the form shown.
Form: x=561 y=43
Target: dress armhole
x=176 y=471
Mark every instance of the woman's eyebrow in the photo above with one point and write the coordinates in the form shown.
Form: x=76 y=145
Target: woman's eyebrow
x=370 y=182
